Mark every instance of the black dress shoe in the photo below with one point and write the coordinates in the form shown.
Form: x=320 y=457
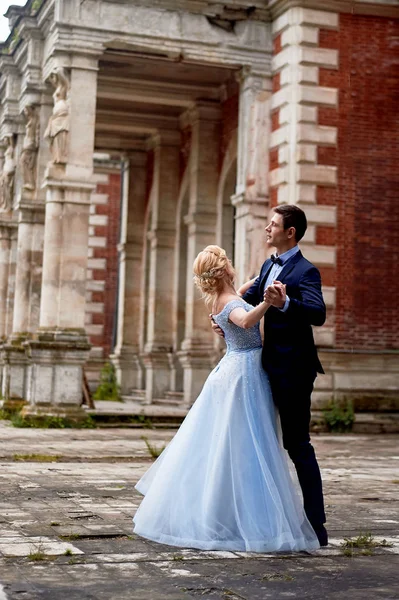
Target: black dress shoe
x=322 y=535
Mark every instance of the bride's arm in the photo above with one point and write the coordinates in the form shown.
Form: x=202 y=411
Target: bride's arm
x=245 y=319
x=245 y=286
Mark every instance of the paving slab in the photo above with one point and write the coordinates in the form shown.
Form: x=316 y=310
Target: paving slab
x=66 y=525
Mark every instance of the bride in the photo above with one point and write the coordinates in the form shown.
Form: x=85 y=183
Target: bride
x=223 y=481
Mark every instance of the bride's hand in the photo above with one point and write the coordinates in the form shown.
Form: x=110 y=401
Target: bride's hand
x=215 y=327
x=276 y=294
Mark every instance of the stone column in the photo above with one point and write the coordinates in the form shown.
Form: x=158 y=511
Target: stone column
x=7 y=280
x=196 y=354
x=26 y=301
x=127 y=350
x=61 y=347
x=30 y=211
x=252 y=196
x=5 y=248
x=164 y=196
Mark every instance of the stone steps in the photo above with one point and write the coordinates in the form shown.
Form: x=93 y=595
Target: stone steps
x=170 y=413
x=170 y=399
x=365 y=422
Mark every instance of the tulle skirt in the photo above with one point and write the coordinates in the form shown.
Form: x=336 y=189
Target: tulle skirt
x=223 y=482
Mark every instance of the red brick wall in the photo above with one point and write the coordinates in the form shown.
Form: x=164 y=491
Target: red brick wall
x=367 y=273
x=110 y=231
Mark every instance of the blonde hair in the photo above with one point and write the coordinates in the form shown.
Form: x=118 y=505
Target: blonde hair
x=211 y=270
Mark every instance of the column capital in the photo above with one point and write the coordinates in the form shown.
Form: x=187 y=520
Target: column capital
x=5 y=232
x=30 y=212
x=165 y=137
x=253 y=81
x=75 y=60
x=202 y=111
x=67 y=190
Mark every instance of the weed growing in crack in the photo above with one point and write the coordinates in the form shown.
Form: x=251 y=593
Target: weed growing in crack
x=37 y=553
x=153 y=450
x=362 y=545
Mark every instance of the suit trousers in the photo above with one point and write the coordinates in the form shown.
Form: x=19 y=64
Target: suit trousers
x=292 y=395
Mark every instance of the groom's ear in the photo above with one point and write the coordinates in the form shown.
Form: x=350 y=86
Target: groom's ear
x=291 y=232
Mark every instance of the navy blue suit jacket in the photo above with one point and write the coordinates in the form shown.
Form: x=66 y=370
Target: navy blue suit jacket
x=288 y=347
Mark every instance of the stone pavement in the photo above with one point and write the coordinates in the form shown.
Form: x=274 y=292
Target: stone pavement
x=66 y=504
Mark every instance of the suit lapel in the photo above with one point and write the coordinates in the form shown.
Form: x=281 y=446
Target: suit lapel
x=268 y=266
x=286 y=270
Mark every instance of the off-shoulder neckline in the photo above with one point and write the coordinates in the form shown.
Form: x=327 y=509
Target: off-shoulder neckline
x=241 y=300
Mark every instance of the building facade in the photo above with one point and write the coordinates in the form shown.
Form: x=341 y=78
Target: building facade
x=133 y=134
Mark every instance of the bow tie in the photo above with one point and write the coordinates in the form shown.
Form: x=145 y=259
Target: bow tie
x=276 y=260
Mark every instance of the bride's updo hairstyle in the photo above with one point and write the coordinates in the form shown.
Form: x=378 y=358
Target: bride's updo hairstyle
x=212 y=269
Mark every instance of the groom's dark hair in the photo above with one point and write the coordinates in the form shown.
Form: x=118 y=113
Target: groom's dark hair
x=293 y=216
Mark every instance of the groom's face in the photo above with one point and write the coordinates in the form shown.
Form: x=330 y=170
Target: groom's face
x=275 y=233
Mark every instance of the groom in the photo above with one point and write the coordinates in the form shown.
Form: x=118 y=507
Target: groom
x=292 y=285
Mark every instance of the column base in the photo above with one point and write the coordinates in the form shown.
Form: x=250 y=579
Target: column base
x=12 y=405
x=57 y=359
x=197 y=364
x=16 y=370
x=129 y=371
x=43 y=411
x=157 y=374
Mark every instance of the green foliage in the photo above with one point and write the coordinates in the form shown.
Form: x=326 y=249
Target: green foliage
x=362 y=545
x=142 y=420
x=35 y=7
x=70 y=538
x=36 y=556
x=68 y=552
x=37 y=553
x=36 y=457
x=46 y=421
x=277 y=577
x=5 y=414
x=108 y=388
x=153 y=450
x=339 y=416
x=50 y=422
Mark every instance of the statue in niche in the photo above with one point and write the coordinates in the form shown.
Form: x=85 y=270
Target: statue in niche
x=58 y=125
x=7 y=176
x=30 y=148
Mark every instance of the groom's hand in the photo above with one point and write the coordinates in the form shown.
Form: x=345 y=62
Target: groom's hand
x=216 y=327
x=276 y=294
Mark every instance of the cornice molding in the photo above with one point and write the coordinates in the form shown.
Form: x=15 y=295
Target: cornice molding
x=389 y=8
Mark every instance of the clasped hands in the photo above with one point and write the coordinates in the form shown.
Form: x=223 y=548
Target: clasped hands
x=275 y=294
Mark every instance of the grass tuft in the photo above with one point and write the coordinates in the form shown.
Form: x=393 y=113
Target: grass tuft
x=363 y=545
x=37 y=553
x=339 y=416
x=153 y=450
x=36 y=457
x=70 y=537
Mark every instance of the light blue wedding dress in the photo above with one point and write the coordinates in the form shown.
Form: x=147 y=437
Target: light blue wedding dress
x=223 y=482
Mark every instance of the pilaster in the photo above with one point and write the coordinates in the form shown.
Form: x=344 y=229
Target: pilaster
x=61 y=347
x=299 y=143
x=131 y=248
x=5 y=251
x=251 y=199
x=196 y=353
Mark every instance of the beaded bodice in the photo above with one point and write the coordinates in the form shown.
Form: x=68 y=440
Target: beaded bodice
x=236 y=337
